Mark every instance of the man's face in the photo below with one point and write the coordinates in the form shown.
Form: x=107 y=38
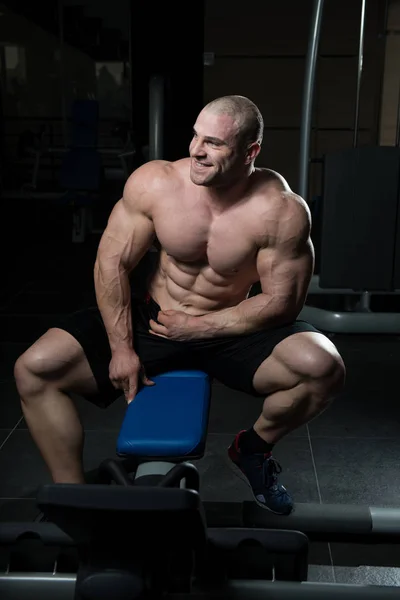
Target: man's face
x=214 y=150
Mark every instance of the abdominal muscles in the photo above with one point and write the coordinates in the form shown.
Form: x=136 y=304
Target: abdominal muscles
x=196 y=288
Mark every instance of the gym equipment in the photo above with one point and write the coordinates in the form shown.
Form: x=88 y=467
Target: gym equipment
x=355 y=263
x=352 y=205
x=166 y=427
x=175 y=412
x=167 y=544
x=127 y=543
x=156 y=122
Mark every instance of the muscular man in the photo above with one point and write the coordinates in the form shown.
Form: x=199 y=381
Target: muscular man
x=222 y=225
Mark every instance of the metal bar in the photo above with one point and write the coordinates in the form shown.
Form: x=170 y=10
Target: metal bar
x=21 y=586
x=385 y=520
x=398 y=119
x=382 y=37
x=61 y=61
x=365 y=302
x=280 y=56
x=130 y=52
x=359 y=72
x=308 y=95
x=287 y=590
x=181 y=471
x=329 y=521
x=351 y=322
x=156 y=118
x=315 y=288
x=319 y=522
x=110 y=470
x=312 y=518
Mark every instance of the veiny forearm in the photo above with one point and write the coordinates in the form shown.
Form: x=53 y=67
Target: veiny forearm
x=113 y=294
x=252 y=315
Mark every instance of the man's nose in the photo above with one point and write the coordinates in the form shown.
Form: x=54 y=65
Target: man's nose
x=198 y=148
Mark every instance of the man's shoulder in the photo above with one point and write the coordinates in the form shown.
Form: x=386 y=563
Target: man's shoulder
x=152 y=181
x=271 y=178
x=155 y=172
x=284 y=214
x=275 y=191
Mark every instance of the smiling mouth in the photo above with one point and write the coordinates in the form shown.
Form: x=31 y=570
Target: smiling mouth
x=201 y=165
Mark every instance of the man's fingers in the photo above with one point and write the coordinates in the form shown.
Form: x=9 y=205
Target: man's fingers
x=130 y=390
x=144 y=378
x=147 y=381
x=158 y=334
x=157 y=328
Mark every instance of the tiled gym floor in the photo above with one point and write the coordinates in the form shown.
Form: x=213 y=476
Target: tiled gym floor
x=350 y=454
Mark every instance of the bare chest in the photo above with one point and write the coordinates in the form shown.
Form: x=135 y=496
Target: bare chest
x=226 y=243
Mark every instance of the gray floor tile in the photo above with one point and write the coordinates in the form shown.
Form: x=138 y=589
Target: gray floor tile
x=358 y=471
x=10 y=406
x=21 y=467
x=99 y=445
x=231 y=411
x=221 y=481
x=366 y=575
x=28 y=468
x=319 y=554
x=4 y=433
x=321 y=573
x=9 y=352
x=366 y=412
x=355 y=555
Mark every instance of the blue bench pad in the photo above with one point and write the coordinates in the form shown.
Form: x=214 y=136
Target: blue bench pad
x=167 y=419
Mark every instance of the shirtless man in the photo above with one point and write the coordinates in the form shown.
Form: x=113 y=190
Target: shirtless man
x=222 y=225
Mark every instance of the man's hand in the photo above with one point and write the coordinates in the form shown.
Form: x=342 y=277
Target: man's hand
x=175 y=325
x=125 y=371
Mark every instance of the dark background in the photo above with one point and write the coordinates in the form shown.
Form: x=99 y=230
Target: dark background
x=55 y=53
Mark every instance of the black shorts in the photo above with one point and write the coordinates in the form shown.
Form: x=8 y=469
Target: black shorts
x=231 y=360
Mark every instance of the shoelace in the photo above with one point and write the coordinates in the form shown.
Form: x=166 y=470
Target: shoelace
x=272 y=468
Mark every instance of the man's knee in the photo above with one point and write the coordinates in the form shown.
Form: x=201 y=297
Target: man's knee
x=38 y=366
x=29 y=369
x=315 y=360
x=323 y=368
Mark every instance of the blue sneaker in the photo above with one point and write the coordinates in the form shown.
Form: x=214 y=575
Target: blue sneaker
x=261 y=471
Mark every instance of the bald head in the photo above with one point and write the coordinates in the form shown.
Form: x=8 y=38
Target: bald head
x=245 y=114
x=226 y=141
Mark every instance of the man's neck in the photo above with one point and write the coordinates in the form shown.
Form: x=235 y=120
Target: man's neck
x=222 y=197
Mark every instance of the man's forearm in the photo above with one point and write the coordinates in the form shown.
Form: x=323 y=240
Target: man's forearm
x=113 y=294
x=254 y=314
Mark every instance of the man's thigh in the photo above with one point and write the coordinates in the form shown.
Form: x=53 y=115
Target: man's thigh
x=234 y=361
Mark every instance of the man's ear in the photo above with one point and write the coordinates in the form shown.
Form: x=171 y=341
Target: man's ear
x=253 y=151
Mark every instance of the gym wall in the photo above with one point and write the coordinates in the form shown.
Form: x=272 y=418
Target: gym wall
x=34 y=87
x=391 y=83
x=261 y=53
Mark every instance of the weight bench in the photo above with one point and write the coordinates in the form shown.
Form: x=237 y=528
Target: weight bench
x=164 y=427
